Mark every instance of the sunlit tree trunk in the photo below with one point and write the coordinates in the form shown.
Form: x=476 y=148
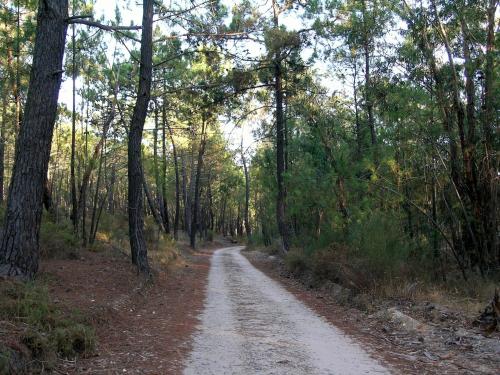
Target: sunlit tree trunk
x=135 y=174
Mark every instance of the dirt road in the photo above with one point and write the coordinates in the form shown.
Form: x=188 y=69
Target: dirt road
x=252 y=325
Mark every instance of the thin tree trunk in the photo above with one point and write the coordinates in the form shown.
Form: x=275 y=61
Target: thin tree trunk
x=159 y=184
x=2 y=144
x=151 y=204
x=95 y=202
x=111 y=196
x=83 y=189
x=74 y=199
x=177 y=182
x=99 y=211
x=210 y=201
x=19 y=251
x=489 y=122
x=368 y=88
x=135 y=176
x=82 y=199
x=248 y=228
x=187 y=209
x=199 y=166
x=359 y=132
x=164 y=212
x=280 y=146
x=192 y=187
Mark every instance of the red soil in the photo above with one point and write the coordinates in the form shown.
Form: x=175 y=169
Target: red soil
x=141 y=328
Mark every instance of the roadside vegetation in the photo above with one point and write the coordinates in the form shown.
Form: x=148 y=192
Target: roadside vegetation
x=355 y=139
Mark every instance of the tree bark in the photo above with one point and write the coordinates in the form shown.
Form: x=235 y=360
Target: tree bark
x=280 y=159
x=359 y=131
x=2 y=144
x=74 y=199
x=19 y=251
x=248 y=228
x=280 y=145
x=185 y=198
x=164 y=211
x=135 y=177
x=151 y=204
x=489 y=122
x=160 y=197
x=196 y=206
x=368 y=88
x=177 y=183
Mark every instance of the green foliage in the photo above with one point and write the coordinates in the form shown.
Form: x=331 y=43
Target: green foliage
x=296 y=261
x=380 y=240
x=210 y=235
x=57 y=239
x=74 y=340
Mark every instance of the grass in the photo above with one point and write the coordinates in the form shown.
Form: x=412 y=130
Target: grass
x=41 y=327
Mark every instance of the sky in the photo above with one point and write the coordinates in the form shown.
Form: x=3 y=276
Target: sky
x=131 y=12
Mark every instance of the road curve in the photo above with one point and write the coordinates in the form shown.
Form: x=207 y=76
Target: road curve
x=252 y=325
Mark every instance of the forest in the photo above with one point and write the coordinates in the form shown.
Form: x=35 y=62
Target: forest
x=356 y=140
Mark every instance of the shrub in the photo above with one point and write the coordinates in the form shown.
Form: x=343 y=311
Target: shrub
x=327 y=264
x=337 y=264
x=57 y=240
x=296 y=261
x=380 y=241
x=73 y=340
x=28 y=303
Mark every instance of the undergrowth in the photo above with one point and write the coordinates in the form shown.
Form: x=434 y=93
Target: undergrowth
x=43 y=331
x=376 y=260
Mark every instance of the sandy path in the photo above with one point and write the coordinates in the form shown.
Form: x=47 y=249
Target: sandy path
x=252 y=325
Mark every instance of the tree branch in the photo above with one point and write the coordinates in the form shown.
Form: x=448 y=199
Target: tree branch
x=81 y=20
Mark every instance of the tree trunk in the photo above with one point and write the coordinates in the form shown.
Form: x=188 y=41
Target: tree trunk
x=19 y=252
x=280 y=145
x=211 y=223
x=2 y=144
x=196 y=206
x=192 y=187
x=82 y=199
x=280 y=159
x=95 y=203
x=248 y=228
x=151 y=204
x=111 y=195
x=185 y=196
x=489 y=122
x=177 y=183
x=368 y=88
x=359 y=132
x=164 y=212
x=135 y=176
x=160 y=197
x=74 y=199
